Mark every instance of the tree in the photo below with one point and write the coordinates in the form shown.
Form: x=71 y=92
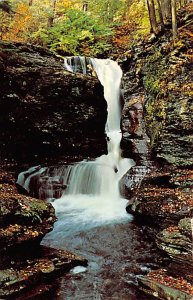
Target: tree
x=174 y=20
x=152 y=16
x=166 y=10
x=52 y=14
x=161 y=19
x=6 y=6
x=85 y=5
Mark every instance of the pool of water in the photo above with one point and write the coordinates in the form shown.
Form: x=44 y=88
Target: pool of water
x=116 y=254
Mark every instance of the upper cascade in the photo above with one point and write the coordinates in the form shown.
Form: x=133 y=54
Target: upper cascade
x=109 y=74
x=78 y=64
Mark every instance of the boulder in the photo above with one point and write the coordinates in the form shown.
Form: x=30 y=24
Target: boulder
x=33 y=271
x=162 y=291
x=23 y=220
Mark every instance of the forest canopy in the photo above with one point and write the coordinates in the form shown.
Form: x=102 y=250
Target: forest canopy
x=79 y=27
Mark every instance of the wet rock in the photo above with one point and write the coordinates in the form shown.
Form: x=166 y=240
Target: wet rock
x=185 y=226
x=46 y=111
x=24 y=274
x=161 y=291
x=23 y=220
x=173 y=242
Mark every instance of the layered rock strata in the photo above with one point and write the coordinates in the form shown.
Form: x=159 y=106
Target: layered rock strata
x=46 y=111
x=162 y=188
x=24 y=221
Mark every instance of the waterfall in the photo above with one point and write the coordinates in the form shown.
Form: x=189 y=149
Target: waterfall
x=92 y=187
x=79 y=64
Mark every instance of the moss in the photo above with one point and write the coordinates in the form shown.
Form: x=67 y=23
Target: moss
x=154 y=71
x=155 y=117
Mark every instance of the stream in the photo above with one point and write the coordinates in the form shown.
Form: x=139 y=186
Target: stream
x=117 y=254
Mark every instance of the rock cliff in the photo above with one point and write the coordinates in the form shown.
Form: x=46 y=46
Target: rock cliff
x=46 y=111
x=157 y=130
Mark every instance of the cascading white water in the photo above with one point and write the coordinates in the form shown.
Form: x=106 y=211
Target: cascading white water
x=109 y=74
x=93 y=187
x=92 y=195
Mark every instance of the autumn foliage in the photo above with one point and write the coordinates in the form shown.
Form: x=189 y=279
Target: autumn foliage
x=66 y=28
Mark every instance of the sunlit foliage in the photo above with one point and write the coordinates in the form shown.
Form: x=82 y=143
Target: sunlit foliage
x=104 y=25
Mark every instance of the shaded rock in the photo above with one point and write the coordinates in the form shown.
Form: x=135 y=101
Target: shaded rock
x=23 y=219
x=173 y=242
x=161 y=291
x=43 y=183
x=27 y=273
x=161 y=194
x=46 y=111
x=185 y=227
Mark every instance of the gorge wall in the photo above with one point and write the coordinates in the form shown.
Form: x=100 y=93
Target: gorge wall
x=158 y=131
x=45 y=111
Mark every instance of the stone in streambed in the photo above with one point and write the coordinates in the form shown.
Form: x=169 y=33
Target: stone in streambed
x=173 y=241
x=24 y=274
x=161 y=291
x=185 y=227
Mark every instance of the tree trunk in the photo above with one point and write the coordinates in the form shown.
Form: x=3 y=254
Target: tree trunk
x=160 y=14
x=30 y=2
x=51 y=17
x=152 y=16
x=85 y=5
x=166 y=10
x=174 y=20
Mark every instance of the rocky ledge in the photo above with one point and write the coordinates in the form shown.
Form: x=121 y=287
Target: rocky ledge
x=24 y=221
x=158 y=114
x=36 y=270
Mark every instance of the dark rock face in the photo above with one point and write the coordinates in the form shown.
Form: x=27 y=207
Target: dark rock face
x=135 y=142
x=162 y=181
x=158 y=86
x=23 y=220
x=46 y=111
x=169 y=107
x=36 y=270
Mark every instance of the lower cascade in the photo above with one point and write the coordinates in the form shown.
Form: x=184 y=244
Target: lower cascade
x=91 y=194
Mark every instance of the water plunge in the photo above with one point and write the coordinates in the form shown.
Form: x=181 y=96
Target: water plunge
x=93 y=187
